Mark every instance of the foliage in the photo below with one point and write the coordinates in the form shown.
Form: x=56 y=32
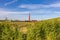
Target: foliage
x=40 y=30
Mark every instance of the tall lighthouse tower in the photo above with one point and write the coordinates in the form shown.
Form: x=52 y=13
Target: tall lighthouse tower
x=29 y=17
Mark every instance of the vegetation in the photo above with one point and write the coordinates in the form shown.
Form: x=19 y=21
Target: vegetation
x=40 y=30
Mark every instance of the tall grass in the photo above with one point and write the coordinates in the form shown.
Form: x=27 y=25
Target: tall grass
x=41 y=30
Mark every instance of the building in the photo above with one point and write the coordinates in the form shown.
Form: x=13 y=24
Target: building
x=29 y=19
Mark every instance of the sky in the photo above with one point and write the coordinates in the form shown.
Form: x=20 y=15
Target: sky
x=38 y=9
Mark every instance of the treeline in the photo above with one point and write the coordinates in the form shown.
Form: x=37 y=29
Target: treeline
x=41 y=30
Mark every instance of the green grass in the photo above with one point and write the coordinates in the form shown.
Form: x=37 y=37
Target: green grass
x=40 y=30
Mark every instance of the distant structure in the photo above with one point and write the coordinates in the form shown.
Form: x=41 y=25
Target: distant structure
x=29 y=17
x=6 y=18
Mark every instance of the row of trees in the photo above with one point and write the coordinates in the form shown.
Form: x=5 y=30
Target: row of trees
x=41 y=30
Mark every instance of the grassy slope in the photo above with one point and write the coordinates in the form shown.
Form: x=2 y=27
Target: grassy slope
x=40 y=30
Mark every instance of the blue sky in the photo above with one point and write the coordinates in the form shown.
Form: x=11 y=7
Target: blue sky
x=39 y=9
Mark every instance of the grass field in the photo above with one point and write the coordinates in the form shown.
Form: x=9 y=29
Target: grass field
x=40 y=30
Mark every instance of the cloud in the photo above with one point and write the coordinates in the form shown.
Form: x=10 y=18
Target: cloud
x=44 y=12
x=8 y=3
x=55 y=5
x=37 y=12
x=29 y=6
x=34 y=13
x=11 y=14
x=37 y=6
x=15 y=13
x=5 y=12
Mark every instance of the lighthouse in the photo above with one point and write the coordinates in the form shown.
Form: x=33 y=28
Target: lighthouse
x=29 y=17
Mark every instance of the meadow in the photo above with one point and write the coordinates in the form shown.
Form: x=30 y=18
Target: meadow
x=40 y=30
